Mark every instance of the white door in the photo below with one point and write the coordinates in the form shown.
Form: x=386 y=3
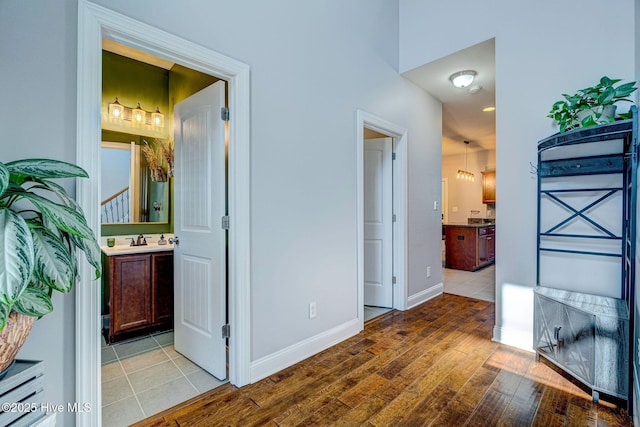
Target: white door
x=378 y=222
x=199 y=258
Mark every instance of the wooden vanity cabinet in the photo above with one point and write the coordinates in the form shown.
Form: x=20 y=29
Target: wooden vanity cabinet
x=489 y=187
x=162 y=288
x=141 y=294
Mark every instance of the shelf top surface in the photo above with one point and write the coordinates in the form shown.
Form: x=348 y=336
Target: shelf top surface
x=605 y=132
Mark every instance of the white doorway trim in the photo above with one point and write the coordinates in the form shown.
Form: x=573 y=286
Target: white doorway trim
x=95 y=23
x=399 y=134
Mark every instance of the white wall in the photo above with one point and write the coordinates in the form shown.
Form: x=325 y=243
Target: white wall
x=465 y=196
x=37 y=75
x=312 y=65
x=541 y=52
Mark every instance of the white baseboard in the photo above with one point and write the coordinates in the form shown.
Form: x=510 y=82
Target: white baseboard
x=513 y=338
x=423 y=296
x=293 y=354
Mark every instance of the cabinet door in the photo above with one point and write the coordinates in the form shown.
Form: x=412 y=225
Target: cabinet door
x=130 y=293
x=461 y=248
x=162 y=288
x=489 y=187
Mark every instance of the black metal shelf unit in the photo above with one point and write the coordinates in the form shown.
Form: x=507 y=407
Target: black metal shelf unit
x=584 y=175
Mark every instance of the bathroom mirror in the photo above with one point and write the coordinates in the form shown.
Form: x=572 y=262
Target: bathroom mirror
x=130 y=192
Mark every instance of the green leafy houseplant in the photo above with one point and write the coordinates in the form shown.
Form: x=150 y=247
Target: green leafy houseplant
x=592 y=105
x=41 y=227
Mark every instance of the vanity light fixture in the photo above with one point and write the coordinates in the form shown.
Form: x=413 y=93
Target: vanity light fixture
x=157 y=118
x=116 y=110
x=462 y=78
x=464 y=173
x=137 y=115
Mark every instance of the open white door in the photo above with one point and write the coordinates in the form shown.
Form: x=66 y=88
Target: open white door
x=378 y=222
x=199 y=257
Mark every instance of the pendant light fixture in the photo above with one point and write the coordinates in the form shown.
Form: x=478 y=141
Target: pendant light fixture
x=464 y=173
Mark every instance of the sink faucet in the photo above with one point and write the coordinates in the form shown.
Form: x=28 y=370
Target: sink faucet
x=140 y=241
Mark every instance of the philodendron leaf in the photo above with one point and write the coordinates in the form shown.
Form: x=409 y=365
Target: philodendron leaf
x=16 y=255
x=91 y=251
x=625 y=90
x=65 y=218
x=606 y=96
x=46 y=168
x=59 y=191
x=34 y=302
x=53 y=264
x=4 y=178
x=5 y=309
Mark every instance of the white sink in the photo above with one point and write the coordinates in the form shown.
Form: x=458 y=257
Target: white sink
x=123 y=246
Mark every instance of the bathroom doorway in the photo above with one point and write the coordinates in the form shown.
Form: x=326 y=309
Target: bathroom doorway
x=157 y=367
x=95 y=24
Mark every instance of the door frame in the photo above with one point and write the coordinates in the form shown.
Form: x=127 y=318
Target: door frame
x=95 y=23
x=399 y=135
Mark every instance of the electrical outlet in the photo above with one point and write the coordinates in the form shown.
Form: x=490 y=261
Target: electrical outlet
x=312 y=310
x=429 y=271
x=435 y=205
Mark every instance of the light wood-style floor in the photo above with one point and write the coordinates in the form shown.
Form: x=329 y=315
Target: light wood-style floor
x=432 y=365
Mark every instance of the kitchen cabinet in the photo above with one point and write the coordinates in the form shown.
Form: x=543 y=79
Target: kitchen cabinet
x=489 y=187
x=469 y=247
x=141 y=294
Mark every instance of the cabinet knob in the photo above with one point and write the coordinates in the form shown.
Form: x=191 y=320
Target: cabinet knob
x=174 y=240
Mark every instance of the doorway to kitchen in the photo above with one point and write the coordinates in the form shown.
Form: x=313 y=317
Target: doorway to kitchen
x=464 y=82
x=381 y=220
x=95 y=24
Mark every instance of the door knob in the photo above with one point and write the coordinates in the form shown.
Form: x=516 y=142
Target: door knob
x=174 y=240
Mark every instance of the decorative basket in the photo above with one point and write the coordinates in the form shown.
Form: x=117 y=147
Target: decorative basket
x=13 y=337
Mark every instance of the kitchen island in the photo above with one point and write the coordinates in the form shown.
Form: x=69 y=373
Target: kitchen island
x=469 y=247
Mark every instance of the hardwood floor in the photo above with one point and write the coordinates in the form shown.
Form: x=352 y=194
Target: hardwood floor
x=432 y=365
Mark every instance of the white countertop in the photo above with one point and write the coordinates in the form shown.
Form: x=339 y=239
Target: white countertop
x=123 y=246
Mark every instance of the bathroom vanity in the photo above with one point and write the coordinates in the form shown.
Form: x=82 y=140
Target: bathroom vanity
x=139 y=283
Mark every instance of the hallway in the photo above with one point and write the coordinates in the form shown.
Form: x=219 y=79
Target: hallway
x=432 y=365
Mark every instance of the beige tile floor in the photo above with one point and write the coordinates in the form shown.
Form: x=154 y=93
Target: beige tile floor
x=370 y=312
x=143 y=377
x=479 y=284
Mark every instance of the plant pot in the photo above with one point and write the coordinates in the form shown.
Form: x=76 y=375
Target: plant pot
x=584 y=113
x=13 y=337
x=608 y=112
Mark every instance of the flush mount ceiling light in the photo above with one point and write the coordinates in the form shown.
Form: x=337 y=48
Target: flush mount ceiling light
x=462 y=78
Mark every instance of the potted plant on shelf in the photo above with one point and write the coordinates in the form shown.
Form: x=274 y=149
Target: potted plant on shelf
x=38 y=240
x=593 y=105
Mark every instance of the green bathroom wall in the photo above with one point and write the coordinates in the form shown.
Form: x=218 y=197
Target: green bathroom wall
x=132 y=82
x=184 y=82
